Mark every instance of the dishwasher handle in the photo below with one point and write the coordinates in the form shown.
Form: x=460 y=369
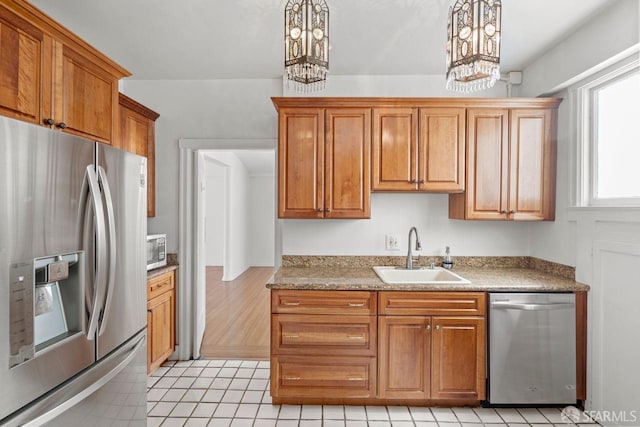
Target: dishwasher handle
x=532 y=306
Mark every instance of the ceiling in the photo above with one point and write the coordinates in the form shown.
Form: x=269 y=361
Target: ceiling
x=216 y=39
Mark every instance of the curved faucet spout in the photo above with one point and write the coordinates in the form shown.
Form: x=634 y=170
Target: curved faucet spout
x=410 y=259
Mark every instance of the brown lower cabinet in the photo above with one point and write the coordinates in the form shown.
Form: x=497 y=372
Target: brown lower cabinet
x=161 y=322
x=422 y=357
x=377 y=347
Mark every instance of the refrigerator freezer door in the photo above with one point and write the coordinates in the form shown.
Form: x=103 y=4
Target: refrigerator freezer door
x=41 y=177
x=123 y=177
x=111 y=393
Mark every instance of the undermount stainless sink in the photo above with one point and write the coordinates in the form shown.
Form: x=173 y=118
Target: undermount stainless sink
x=436 y=275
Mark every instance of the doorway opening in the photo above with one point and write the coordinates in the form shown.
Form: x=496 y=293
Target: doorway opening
x=237 y=251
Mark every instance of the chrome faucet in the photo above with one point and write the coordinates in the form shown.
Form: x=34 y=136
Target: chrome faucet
x=410 y=259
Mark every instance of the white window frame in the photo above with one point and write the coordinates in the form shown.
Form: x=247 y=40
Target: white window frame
x=587 y=122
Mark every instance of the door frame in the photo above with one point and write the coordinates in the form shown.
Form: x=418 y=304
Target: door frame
x=190 y=171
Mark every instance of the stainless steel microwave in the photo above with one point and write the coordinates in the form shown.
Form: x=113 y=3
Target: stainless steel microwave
x=156 y=251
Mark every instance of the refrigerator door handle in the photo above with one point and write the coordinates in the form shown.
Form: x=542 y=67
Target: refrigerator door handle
x=101 y=250
x=75 y=392
x=111 y=234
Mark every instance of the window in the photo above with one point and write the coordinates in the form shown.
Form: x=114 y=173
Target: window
x=611 y=138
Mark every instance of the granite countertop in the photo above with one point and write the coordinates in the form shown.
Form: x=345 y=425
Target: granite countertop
x=160 y=270
x=516 y=279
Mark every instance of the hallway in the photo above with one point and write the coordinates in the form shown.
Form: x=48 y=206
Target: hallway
x=237 y=315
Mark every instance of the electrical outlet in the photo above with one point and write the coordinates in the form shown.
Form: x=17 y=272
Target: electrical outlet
x=391 y=243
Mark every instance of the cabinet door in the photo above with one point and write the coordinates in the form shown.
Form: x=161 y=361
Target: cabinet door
x=85 y=97
x=300 y=163
x=404 y=345
x=458 y=358
x=441 y=149
x=487 y=164
x=21 y=47
x=347 y=189
x=395 y=132
x=532 y=165
x=161 y=329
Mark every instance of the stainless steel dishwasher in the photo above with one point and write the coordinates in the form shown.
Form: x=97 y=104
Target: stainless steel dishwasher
x=532 y=348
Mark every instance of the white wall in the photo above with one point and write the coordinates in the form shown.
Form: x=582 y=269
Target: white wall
x=262 y=201
x=236 y=252
x=555 y=241
x=207 y=109
x=603 y=244
x=395 y=214
x=214 y=196
x=394 y=86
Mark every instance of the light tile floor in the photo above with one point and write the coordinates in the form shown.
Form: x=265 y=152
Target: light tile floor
x=235 y=393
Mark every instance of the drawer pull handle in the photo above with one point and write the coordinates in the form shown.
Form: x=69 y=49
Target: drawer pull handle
x=292 y=378
x=294 y=303
x=355 y=337
x=356 y=304
x=355 y=379
x=292 y=337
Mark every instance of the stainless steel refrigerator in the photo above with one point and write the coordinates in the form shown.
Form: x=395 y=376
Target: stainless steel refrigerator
x=72 y=280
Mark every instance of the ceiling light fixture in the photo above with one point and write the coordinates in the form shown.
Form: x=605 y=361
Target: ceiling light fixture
x=306 y=44
x=473 y=45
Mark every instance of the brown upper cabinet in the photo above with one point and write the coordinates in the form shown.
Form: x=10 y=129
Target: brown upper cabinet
x=324 y=163
x=21 y=53
x=511 y=165
x=496 y=157
x=418 y=149
x=137 y=135
x=53 y=78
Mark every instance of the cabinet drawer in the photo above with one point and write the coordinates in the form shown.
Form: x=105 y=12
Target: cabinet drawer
x=323 y=302
x=336 y=335
x=432 y=303
x=323 y=377
x=160 y=284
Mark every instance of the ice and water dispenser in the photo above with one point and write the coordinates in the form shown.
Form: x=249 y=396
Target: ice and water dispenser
x=47 y=304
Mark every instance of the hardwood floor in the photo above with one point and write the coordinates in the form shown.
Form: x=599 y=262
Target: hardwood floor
x=238 y=315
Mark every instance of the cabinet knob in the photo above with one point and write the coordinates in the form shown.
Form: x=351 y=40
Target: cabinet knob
x=437 y=327
x=49 y=122
x=503 y=212
x=319 y=209
x=512 y=211
x=327 y=210
x=428 y=327
x=422 y=181
x=62 y=125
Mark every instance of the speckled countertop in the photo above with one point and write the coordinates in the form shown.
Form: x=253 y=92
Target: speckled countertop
x=526 y=277
x=172 y=264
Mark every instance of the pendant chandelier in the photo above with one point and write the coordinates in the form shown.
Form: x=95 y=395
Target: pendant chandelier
x=306 y=44
x=473 y=45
